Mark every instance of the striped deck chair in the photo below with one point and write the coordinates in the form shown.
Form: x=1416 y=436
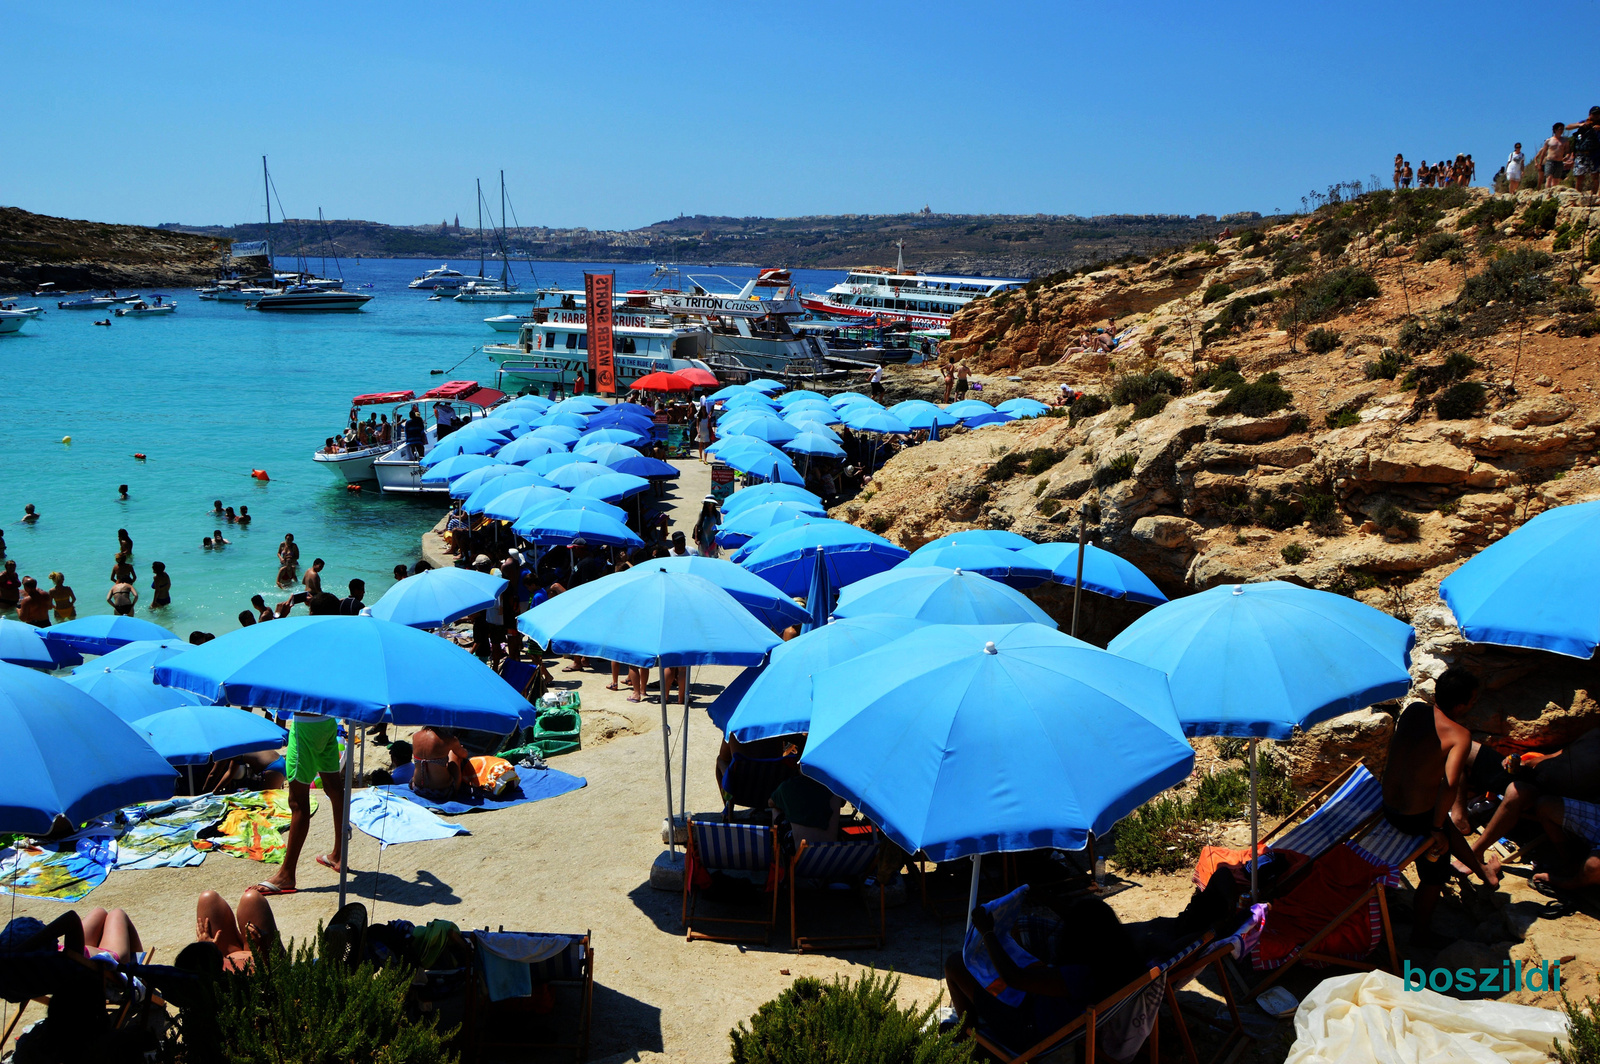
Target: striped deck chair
x=505 y=1024
x=834 y=862
x=715 y=846
x=1181 y=974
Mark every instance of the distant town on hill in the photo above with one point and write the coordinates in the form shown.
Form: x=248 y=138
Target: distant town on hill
x=1007 y=245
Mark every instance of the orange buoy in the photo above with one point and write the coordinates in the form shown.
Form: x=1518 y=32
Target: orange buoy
x=139 y=455
x=354 y=489
x=260 y=474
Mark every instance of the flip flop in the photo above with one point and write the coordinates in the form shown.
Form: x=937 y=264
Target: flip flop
x=612 y=687
x=269 y=890
x=322 y=859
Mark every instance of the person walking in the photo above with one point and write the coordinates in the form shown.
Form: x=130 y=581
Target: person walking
x=1399 y=168
x=10 y=586
x=34 y=606
x=1406 y=175
x=289 y=552
x=160 y=586
x=705 y=526
x=313 y=754
x=877 y=382
x=1586 y=153
x=1514 y=164
x=122 y=597
x=1555 y=156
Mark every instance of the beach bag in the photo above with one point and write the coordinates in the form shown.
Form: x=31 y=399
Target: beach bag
x=495 y=776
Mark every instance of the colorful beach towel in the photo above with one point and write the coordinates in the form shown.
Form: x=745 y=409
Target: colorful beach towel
x=391 y=819
x=253 y=826
x=61 y=871
x=163 y=834
x=536 y=785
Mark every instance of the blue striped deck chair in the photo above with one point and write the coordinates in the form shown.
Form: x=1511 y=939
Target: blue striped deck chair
x=718 y=846
x=834 y=862
x=1186 y=970
x=506 y=1024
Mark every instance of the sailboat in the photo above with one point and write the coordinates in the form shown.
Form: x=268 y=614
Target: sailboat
x=506 y=290
x=306 y=293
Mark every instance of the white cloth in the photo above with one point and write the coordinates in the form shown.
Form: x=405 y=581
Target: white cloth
x=524 y=949
x=1370 y=1016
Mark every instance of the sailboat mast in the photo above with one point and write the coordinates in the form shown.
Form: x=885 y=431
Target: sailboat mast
x=266 y=184
x=480 y=229
x=505 y=259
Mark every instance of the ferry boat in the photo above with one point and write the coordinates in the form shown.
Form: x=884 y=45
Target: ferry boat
x=750 y=325
x=354 y=466
x=400 y=471
x=553 y=347
x=924 y=300
x=443 y=278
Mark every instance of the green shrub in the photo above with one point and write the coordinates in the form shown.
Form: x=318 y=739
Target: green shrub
x=1344 y=417
x=1165 y=834
x=1042 y=459
x=1118 y=469
x=1540 y=216
x=1215 y=291
x=1415 y=338
x=1250 y=238
x=1031 y=462
x=1435 y=245
x=1049 y=507
x=813 y=1022
x=1488 y=214
x=1224 y=374
x=1152 y=406
x=295 y=1007
x=1275 y=508
x=1294 y=553
x=1516 y=275
x=1232 y=747
x=1159 y=836
x=1320 y=341
x=1259 y=398
x=1235 y=314
x=878 y=523
x=1391 y=518
x=1461 y=400
x=1135 y=388
x=1087 y=405
x=1387 y=367
x=1329 y=294
x=1582 y=1044
x=1575 y=299
x=1319 y=506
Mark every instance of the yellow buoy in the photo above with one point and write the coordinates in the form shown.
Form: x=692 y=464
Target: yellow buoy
x=66 y=439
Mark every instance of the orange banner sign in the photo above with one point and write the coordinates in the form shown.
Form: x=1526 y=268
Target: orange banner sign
x=597 y=290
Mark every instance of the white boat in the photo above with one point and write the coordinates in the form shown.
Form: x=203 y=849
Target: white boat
x=442 y=278
x=89 y=303
x=555 y=350
x=508 y=323
x=924 y=300
x=12 y=320
x=355 y=466
x=302 y=300
x=32 y=312
x=494 y=292
x=141 y=309
x=749 y=324
x=400 y=471
x=242 y=295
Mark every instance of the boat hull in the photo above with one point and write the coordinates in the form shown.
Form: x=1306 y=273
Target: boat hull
x=352 y=467
x=399 y=475
x=9 y=324
x=148 y=312
x=506 y=323
x=841 y=310
x=500 y=297
x=310 y=302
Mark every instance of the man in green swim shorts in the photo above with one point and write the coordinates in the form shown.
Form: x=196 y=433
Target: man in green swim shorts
x=313 y=752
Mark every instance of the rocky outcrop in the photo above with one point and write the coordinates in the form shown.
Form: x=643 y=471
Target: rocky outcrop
x=76 y=255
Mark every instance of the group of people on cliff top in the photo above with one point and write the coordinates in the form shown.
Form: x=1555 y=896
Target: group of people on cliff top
x=1570 y=150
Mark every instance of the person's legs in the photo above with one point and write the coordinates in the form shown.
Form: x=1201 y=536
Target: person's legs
x=299 y=823
x=214 y=922
x=616 y=672
x=94 y=926
x=256 y=922
x=120 y=936
x=1520 y=797
x=963 y=988
x=333 y=787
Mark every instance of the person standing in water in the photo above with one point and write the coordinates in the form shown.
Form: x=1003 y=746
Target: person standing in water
x=122 y=597
x=62 y=597
x=125 y=543
x=161 y=585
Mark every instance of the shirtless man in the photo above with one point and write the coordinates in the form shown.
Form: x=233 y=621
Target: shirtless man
x=34 y=606
x=1427 y=759
x=442 y=763
x=313 y=578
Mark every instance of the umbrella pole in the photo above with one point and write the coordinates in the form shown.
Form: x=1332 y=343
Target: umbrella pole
x=1254 y=857
x=1077 y=585
x=666 y=754
x=683 y=739
x=972 y=893
x=349 y=785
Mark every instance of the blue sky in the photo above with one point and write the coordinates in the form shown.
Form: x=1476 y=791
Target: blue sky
x=617 y=115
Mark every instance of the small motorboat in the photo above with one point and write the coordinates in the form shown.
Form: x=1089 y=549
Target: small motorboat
x=88 y=303
x=12 y=320
x=32 y=312
x=141 y=309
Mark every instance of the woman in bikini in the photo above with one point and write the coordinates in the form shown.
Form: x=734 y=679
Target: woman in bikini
x=62 y=598
x=234 y=932
x=161 y=585
x=443 y=766
x=125 y=542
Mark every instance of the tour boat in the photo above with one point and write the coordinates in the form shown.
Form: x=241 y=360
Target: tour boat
x=750 y=325
x=925 y=300
x=303 y=299
x=400 y=471
x=554 y=350
x=494 y=292
x=444 y=278
x=355 y=466
x=242 y=295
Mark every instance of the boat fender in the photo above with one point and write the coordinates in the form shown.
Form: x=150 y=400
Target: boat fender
x=139 y=455
x=259 y=474
x=353 y=489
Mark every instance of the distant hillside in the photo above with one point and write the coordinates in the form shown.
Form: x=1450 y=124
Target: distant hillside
x=1021 y=245
x=74 y=254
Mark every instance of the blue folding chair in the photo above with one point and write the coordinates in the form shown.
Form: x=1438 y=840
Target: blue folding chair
x=847 y=861
x=718 y=846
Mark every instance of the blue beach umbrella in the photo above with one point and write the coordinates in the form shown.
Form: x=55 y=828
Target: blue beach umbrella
x=983 y=537
x=647 y=467
x=994 y=417
x=817 y=428
x=809 y=443
x=539 y=507
x=446 y=470
x=23 y=644
x=962 y=740
x=849 y=554
x=728 y=391
x=104 y=632
x=572 y=474
x=193 y=735
x=1538 y=587
x=780 y=471
x=561 y=418
x=565 y=435
x=765 y=493
x=748 y=447
x=769 y=605
x=940 y=595
x=531 y=405
x=1009 y=567
x=518 y=477
x=773 y=430
x=456 y=444
x=860 y=419
x=546 y=464
x=969 y=408
x=568 y=526
x=525 y=450
x=1104 y=573
x=130 y=694
x=748 y=400
x=506 y=427
x=624 y=436
x=463 y=486
x=68 y=756
x=1023 y=407
x=907 y=407
x=802 y=395
x=778 y=701
x=587 y=404
x=754 y=520
x=812 y=411
x=844 y=399
x=434 y=598
x=766 y=386
x=140 y=656
x=512 y=504
x=929 y=420
x=610 y=487
x=606 y=454
x=757 y=541
x=730 y=423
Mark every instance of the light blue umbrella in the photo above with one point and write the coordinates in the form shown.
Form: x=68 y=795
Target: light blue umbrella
x=778 y=702
x=1104 y=573
x=568 y=526
x=435 y=597
x=505 y=427
x=571 y=475
x=544 y=465
x=962 y=740
x=623 y=436
x=847 y=399
x=774 y=470
x=140 y=656
x=765 y=493
x=511 y=504
x=850 y=554
x=525 y=450
x=625 y=417
x=930 y=421
x=1538 y=587
x=749 y=400
x=610 y=487
x=104 y=632
x=647 y=467
x=969 y=408
x=535 y=510
x=68 y=756
x=983 y=537
x=940 y=595
x=810 y=443
x=766 y=386
x=811 y=411
x=993 y=417
x=561 y=418
x=530 y=405
x=728 y=391
x=818 y=428
x=731 y=422
x=518 y=477
x=463 y=486
x=586 y=404
x=788 y=399
x=23 y=644
x=130 y=694
x=747 y=448
x=753 y=520
x=456 y=444
x=757 y=541
x=446 y=470
x=606 y=454
x=997 y=563
x=769 y=605
x=562 y=434
x=907 y=407
x=194 y=735
x=773 y=430
x=860 y=419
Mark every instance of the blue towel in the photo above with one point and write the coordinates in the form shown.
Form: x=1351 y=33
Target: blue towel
x=536 y=784
x=505 y=979
x=390 y=820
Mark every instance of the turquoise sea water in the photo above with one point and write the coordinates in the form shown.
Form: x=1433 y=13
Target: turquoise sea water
x=208 y=394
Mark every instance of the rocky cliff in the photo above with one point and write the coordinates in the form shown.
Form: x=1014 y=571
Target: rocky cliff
x=73 y=255
x=1358 y=401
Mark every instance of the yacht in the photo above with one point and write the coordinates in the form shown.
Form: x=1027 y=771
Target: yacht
x=553 y=347
x=32 y=312
x=443 y=278
x=244 y=294
x=90 y=303
x=924 y=300
x=400 y=471
x=304 y=298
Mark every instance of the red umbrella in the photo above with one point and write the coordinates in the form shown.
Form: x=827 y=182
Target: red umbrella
x=662 y=382
x=700 y=378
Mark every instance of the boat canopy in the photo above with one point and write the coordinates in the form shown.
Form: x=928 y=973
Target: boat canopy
x=465 y=392
x=376 y=398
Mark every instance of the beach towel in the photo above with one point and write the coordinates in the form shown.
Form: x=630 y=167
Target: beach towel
x=252 y=826
x=975 y=954
x=536 y=785
x=163 y=834
x=391 y=819
x=1353 y=1019
x=59 y=871
x=1342 y=876
x=506 y=958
